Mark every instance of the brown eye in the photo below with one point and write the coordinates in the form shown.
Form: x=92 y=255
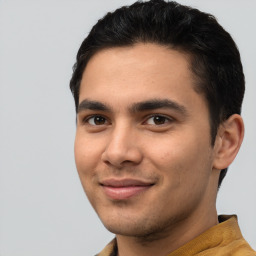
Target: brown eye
x=158 y=120
x=97 y=120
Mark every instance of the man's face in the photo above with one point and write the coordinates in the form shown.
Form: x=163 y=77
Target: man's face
x=142 y=147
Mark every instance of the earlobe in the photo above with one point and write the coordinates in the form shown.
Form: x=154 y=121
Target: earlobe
x=228 y=141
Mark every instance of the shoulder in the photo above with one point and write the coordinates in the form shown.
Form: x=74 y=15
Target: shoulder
x=237 y=247
x=109 y=250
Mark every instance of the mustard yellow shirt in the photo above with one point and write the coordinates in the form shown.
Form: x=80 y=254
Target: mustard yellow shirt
x=222 y=239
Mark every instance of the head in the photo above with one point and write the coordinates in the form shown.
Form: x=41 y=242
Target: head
x=158 y=89
x=214 y=57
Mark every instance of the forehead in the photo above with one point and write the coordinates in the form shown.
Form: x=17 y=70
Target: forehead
x=145 y=57
x=135 y=72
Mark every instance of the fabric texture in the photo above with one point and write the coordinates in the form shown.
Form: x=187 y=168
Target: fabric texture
x=222 y=239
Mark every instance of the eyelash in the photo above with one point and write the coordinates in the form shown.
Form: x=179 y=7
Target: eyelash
x=87 y=119
x=163 y=118
x=166 y=119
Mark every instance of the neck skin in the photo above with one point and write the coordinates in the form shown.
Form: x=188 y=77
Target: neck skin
x=203 y=218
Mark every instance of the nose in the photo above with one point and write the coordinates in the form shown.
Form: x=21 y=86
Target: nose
x=122 y=148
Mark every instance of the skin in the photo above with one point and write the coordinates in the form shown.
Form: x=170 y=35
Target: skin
x=167 y=147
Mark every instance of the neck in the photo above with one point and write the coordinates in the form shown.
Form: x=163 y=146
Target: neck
x=171 y=239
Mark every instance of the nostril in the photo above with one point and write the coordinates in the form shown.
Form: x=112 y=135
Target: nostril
x=121 y=157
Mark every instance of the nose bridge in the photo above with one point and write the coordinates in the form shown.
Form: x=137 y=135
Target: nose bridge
x=120 y=136
x=122 y=146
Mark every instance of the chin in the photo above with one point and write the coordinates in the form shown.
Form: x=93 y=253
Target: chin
x=127 y=230
x=121 y=226
x=141 y=228
x=144 y=234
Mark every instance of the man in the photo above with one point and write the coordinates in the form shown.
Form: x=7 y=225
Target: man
x=158 y=89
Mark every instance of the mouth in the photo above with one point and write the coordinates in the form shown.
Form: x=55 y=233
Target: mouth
x=125 y=188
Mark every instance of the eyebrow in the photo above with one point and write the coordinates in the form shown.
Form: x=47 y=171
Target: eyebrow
x=151 y=104
x=92 y=105
x=158 y=104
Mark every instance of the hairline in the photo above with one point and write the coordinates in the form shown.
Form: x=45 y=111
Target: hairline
x=189 y=55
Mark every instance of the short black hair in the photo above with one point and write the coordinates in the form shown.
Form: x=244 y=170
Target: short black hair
x=214 y=56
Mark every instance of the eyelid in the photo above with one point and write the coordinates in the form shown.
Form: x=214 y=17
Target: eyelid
x=85 y=120
x=168 y=118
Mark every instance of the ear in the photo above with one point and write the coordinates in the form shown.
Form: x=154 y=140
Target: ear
x=228 y=141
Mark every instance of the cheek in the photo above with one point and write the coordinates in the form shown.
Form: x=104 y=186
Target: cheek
x=184 y=175
x=178 y=157
x=86 y=156
x=87 y=159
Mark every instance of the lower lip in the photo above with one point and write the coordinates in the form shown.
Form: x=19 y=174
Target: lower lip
x=121 y=193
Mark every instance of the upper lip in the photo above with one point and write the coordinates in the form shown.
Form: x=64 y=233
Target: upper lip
x=125 y=182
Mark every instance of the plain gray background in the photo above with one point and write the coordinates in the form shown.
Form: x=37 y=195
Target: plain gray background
x=43 y=209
